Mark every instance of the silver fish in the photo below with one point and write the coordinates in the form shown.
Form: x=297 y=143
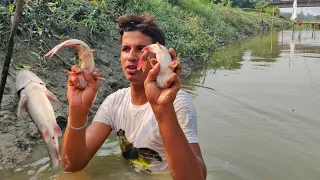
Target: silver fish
x=35 y=99
x=164 y=59
x=86 y=59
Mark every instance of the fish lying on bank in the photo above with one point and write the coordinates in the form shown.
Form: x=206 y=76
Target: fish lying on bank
x=141 y=157
x=35 y=100
x=164 y=58
x=86 y=60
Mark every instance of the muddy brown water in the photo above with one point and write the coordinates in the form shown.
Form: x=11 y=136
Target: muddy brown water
x=258 y=116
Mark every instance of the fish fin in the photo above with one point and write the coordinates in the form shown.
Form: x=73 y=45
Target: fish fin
x=149 y=154
x=92 y=50
x=142 y=162
x=159 y=45
x=142 y=65
x=50 y=96
x=45 y=134
x=57 y=129
x=22 y=107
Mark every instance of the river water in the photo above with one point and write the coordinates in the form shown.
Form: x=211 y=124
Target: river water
x=256 y=104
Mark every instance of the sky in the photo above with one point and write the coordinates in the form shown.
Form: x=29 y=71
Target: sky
x=312 y=10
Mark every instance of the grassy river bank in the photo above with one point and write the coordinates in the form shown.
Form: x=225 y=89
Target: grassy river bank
x=193 y=28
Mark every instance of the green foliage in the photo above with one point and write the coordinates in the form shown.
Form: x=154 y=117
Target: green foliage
x=41 y=19
x=195 y=28
x=243 y=3
x=267 y=8
x=261 y=5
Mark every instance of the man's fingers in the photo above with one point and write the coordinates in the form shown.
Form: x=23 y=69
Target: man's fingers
x=92 y=82
x=152 y=75
x=173 y=81
x=176 y=66
x=172 y=54
x=73 y=80
x=96 y=73
x=76 y=69
x=178 y=69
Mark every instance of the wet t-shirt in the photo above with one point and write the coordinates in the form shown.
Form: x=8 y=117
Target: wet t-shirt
x=140 y=125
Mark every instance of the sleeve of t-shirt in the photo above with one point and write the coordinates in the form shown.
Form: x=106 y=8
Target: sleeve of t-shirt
x=104 y=113
x=187 y=117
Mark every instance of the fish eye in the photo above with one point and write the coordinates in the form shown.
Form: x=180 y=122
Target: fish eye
x=53 y=137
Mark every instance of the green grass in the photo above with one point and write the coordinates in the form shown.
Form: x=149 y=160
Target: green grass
x=194 y=28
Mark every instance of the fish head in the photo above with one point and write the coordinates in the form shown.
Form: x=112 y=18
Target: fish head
x=156 y=51
x=161 y=52
x=24 y=77
x=156 y=48
x=121 y=133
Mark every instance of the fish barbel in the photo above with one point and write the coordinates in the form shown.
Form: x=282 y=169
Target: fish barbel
x=35 y=100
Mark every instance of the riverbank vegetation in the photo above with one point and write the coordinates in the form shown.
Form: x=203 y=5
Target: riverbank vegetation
x=193 y=27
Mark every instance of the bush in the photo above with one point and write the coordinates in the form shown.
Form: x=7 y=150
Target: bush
x=195 y=28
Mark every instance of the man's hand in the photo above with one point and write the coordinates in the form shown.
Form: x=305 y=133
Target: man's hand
x=156 y=96
x=82 y=100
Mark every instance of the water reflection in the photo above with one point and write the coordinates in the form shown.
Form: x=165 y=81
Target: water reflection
x=263 y=50
x=262 y=120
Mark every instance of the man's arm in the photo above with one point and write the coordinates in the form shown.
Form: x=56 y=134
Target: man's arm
x=79 y=146
x=184 y=159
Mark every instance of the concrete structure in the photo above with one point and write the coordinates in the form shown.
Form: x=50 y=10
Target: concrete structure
x=289 y=3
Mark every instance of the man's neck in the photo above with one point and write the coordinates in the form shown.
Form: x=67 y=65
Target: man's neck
x=138 y=96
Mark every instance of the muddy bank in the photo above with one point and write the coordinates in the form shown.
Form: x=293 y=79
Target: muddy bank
x=18 y=136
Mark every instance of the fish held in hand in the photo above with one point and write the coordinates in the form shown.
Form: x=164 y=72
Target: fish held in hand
x=86 y=60
x=163 y=57
x=35 y=99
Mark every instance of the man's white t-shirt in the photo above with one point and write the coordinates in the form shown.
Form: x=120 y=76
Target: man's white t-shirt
x=140 y=125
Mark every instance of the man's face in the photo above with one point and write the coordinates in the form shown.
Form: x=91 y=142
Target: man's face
x=131 y=50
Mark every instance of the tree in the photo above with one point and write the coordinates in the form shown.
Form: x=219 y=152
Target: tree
x=240 y=3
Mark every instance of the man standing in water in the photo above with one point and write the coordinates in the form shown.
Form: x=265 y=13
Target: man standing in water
x=163 y=120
